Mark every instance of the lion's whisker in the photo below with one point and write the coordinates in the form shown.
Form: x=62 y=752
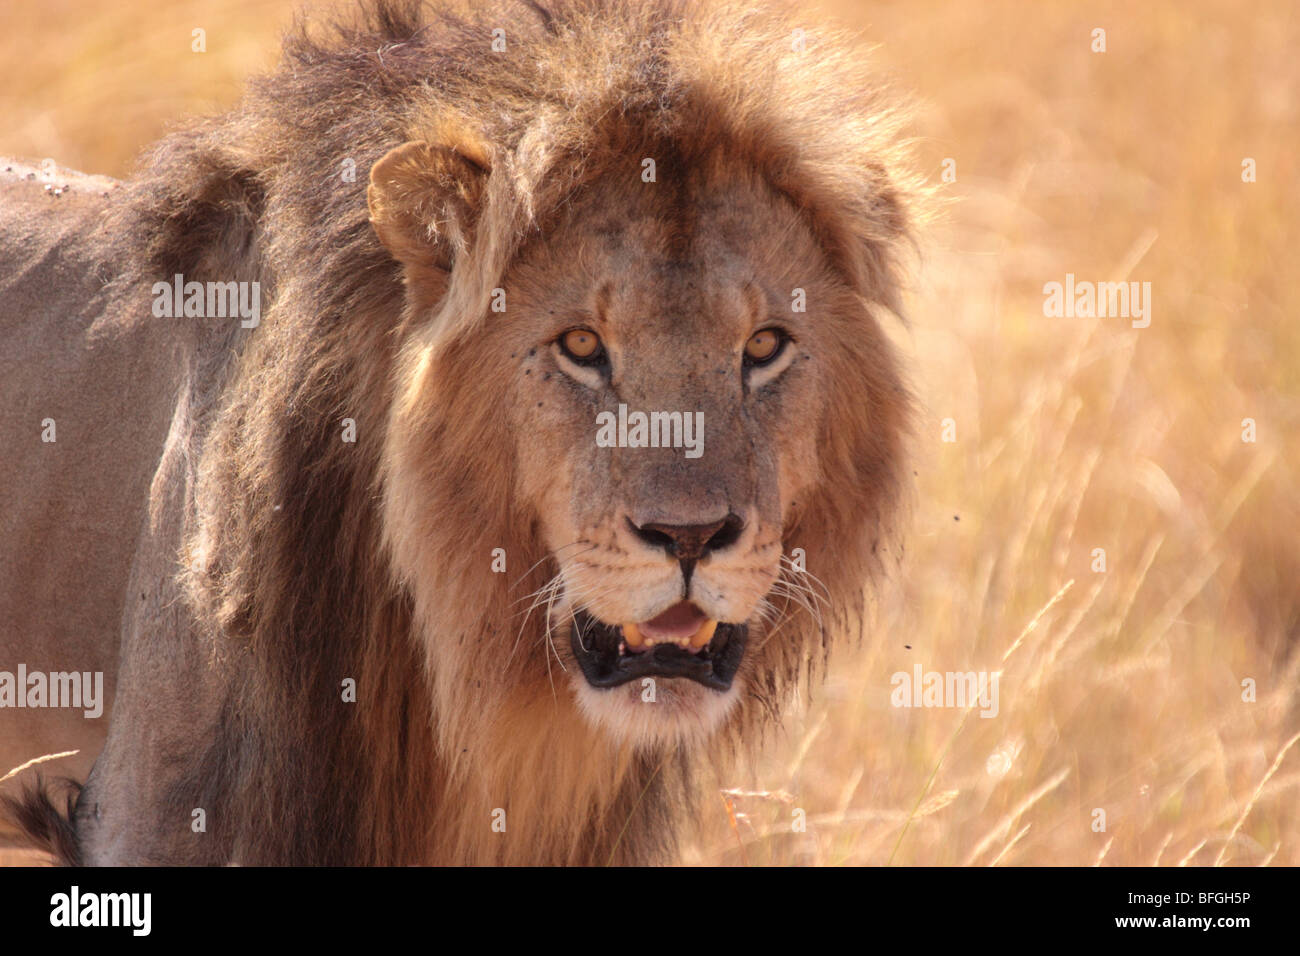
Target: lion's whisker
x=549 y=588
x=553 y=554
x=803 y=573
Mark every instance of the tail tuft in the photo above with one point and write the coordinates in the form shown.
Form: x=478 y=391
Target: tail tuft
x=42 y=823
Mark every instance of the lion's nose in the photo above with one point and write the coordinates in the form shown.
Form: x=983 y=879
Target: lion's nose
x=690 y=542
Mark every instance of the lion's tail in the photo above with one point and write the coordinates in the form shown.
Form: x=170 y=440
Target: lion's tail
x=42 y=824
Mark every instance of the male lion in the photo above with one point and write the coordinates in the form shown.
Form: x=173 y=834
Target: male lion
x=549 y=466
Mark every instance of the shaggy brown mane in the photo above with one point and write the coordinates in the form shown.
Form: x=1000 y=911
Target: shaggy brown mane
x=290 y=571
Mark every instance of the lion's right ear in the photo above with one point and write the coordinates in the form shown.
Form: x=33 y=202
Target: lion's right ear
x=424 y=201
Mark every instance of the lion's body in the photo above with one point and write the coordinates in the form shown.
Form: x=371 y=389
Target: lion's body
x=90 y=388
x=72 y=508
x=201 y=511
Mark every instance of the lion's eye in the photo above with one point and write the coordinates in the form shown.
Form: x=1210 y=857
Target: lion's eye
x=582 y=346
x=763 y=346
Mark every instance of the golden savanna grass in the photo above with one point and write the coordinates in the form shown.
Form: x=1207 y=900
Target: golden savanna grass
x=1121 y=691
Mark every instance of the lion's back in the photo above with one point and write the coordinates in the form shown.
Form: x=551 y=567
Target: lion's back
x=84 y=407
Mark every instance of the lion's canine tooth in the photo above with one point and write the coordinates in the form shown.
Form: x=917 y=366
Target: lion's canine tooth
x=632 y=634
x=704 y=634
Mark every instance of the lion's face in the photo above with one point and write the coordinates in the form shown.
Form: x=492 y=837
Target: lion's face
x=650 y=319
x=661 y=372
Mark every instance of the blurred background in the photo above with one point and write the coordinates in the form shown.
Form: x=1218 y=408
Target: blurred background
x=1162 y=690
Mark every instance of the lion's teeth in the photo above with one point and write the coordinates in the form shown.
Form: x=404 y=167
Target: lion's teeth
x=633 y=638
x=704 y=634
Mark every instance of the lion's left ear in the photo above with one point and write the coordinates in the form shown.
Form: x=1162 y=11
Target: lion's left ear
x=424 y=201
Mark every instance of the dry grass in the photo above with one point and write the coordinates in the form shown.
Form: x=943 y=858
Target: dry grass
x=1121 y=690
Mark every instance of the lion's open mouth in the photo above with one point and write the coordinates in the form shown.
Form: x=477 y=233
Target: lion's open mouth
x=680 y=642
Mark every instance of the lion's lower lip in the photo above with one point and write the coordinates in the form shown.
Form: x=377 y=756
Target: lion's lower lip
x=606 y=660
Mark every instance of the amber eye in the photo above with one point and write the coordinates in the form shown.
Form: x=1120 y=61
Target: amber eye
x=763 y=346
x=581 y=345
